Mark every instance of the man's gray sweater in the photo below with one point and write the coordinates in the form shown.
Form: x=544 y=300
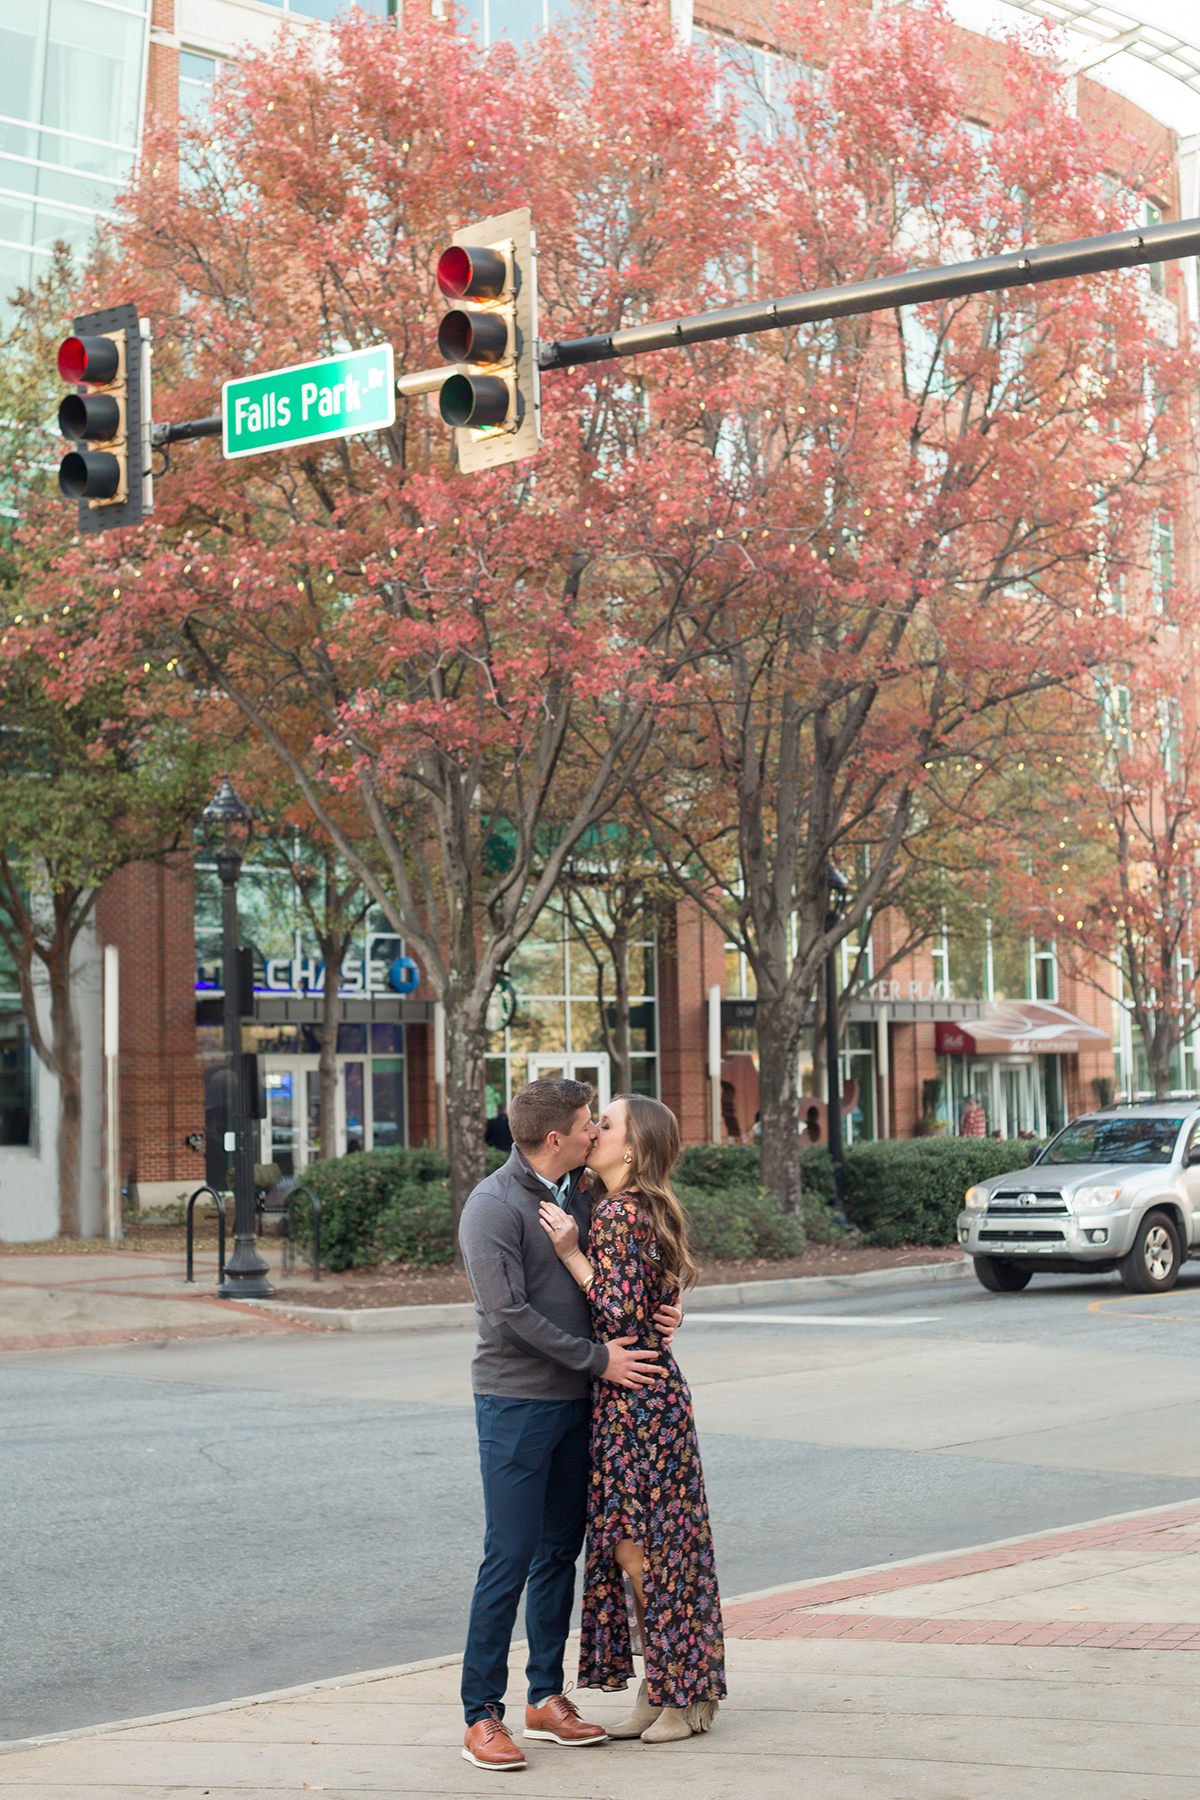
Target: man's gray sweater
x=534 y=1323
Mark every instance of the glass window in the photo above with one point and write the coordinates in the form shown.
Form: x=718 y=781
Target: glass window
x=196 y=77
x=1010 y=965
x=387 y=1102
x=516 y=20
x=966 y=957
x=15 y=1082
x=352 y=1041
x=387 y=1039
x=1114 y=1140
x=93 y=73
x=558 y=1010
x=1045 y=972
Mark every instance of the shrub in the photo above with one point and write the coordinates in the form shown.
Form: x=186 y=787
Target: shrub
x=383 y=1206
x=910 y=1191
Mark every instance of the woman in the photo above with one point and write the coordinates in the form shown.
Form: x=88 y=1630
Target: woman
x=647 y=1514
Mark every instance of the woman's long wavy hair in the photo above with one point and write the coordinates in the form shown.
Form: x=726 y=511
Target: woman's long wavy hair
x=652 y=1136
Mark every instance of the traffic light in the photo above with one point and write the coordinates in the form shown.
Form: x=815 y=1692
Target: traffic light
x=108 y=418
x=492 y=399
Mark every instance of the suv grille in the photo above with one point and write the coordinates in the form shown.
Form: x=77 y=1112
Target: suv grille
x=1006 y=1205
x=1024 y=1237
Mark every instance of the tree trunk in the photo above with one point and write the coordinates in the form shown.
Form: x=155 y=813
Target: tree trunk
x=65 y=1034
x=1160 y=1042
x=779 y=1106
x=465 y=1108
x=328 y=1064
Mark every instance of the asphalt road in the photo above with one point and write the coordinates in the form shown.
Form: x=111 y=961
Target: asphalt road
x=186 y=1523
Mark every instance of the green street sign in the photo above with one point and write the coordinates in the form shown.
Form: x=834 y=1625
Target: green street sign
x=309 y=402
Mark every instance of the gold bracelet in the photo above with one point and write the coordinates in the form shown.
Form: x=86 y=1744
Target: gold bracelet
x=586 y=1285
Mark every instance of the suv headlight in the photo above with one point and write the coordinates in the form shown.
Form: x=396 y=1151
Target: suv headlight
x=1089 y=1199
x=977 y=1198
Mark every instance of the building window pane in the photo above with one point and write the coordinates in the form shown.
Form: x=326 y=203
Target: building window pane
x=93 y=73
x=196 y=77
x=387 y=1102
x=15 y=1085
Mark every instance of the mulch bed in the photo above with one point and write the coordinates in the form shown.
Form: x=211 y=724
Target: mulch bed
x=438 y=1287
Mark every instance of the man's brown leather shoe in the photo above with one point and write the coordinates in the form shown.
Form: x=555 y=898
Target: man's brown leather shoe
x=558 y=1719
x=489 y=1745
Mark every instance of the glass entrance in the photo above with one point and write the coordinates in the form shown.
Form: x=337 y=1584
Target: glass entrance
x=368 y=1108
x=592 y=1068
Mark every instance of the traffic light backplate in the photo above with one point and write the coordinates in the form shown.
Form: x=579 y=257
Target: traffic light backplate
x=104 y=419
x=510 y=234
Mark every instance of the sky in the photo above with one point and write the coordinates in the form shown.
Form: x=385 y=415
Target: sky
x=1160 y=94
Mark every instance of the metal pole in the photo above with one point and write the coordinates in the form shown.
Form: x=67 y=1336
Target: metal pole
x=246 y=1271
x=833 y=1082
x=884 y=1065
x=989 y=274
x=112 y=1107
x=714 y=1063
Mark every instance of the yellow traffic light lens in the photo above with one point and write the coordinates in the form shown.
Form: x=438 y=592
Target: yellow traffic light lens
x=473 y=337
x=89 y=417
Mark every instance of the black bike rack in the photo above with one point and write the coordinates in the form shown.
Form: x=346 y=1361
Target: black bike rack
x=220 y=1232
x=316 y=1209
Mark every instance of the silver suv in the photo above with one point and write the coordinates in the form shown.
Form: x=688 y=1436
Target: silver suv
x=1118 y=1189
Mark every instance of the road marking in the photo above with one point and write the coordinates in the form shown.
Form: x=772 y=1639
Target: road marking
x=723 y=1318
x=1102 y=1306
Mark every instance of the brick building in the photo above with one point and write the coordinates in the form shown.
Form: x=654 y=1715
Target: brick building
x=996 y=1020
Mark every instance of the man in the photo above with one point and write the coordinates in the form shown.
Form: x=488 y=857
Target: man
x=532 y=1373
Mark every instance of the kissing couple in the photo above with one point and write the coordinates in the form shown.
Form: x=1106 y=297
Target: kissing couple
x=585 y=1423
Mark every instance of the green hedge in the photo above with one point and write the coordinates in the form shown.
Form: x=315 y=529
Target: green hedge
x=910 y=1191
x=383 y=1206
x=394 y=1205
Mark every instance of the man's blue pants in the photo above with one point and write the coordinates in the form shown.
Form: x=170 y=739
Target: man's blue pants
x=534 y=1455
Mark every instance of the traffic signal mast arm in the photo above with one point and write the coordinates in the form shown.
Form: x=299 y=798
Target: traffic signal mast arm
x=490 y=386
x=1018 y=268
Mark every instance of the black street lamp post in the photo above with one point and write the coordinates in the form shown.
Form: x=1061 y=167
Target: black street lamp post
x=246 y=1270
x=838 y=900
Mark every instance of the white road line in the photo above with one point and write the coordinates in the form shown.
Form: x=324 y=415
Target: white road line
x=739 y=1317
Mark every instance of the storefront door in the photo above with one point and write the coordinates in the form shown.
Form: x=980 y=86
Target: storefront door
x=592 y=1068
x=368 y=1107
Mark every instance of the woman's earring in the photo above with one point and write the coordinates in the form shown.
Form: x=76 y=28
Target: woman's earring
x=628 y=1156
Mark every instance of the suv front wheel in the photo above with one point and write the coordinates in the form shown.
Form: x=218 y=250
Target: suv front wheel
x=1152 y=1263
x=1002 y=1275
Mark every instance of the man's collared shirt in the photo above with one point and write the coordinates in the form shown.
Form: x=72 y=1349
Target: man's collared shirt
x=558 y=1189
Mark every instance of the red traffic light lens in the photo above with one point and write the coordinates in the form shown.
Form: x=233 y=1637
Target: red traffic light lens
x=474 y=401
x=473 y=337
x=95 y=359
x=471 y=273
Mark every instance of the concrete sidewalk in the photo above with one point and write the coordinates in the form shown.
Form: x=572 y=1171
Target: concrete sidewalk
x=1047 y=1668
x=51 y=1302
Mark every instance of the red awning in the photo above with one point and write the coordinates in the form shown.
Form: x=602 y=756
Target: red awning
x=1018 y=1028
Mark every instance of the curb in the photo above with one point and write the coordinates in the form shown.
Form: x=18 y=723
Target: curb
x=328 y=1683
x=722 y=1294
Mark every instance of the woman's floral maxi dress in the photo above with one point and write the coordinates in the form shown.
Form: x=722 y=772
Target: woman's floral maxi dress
x=646 y=1485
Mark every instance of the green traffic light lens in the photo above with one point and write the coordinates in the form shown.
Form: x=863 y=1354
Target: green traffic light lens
x=89 y=475
x=474 y=402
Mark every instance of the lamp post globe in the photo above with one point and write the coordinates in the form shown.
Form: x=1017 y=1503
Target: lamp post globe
x=837 y=901
x=246 y=1270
